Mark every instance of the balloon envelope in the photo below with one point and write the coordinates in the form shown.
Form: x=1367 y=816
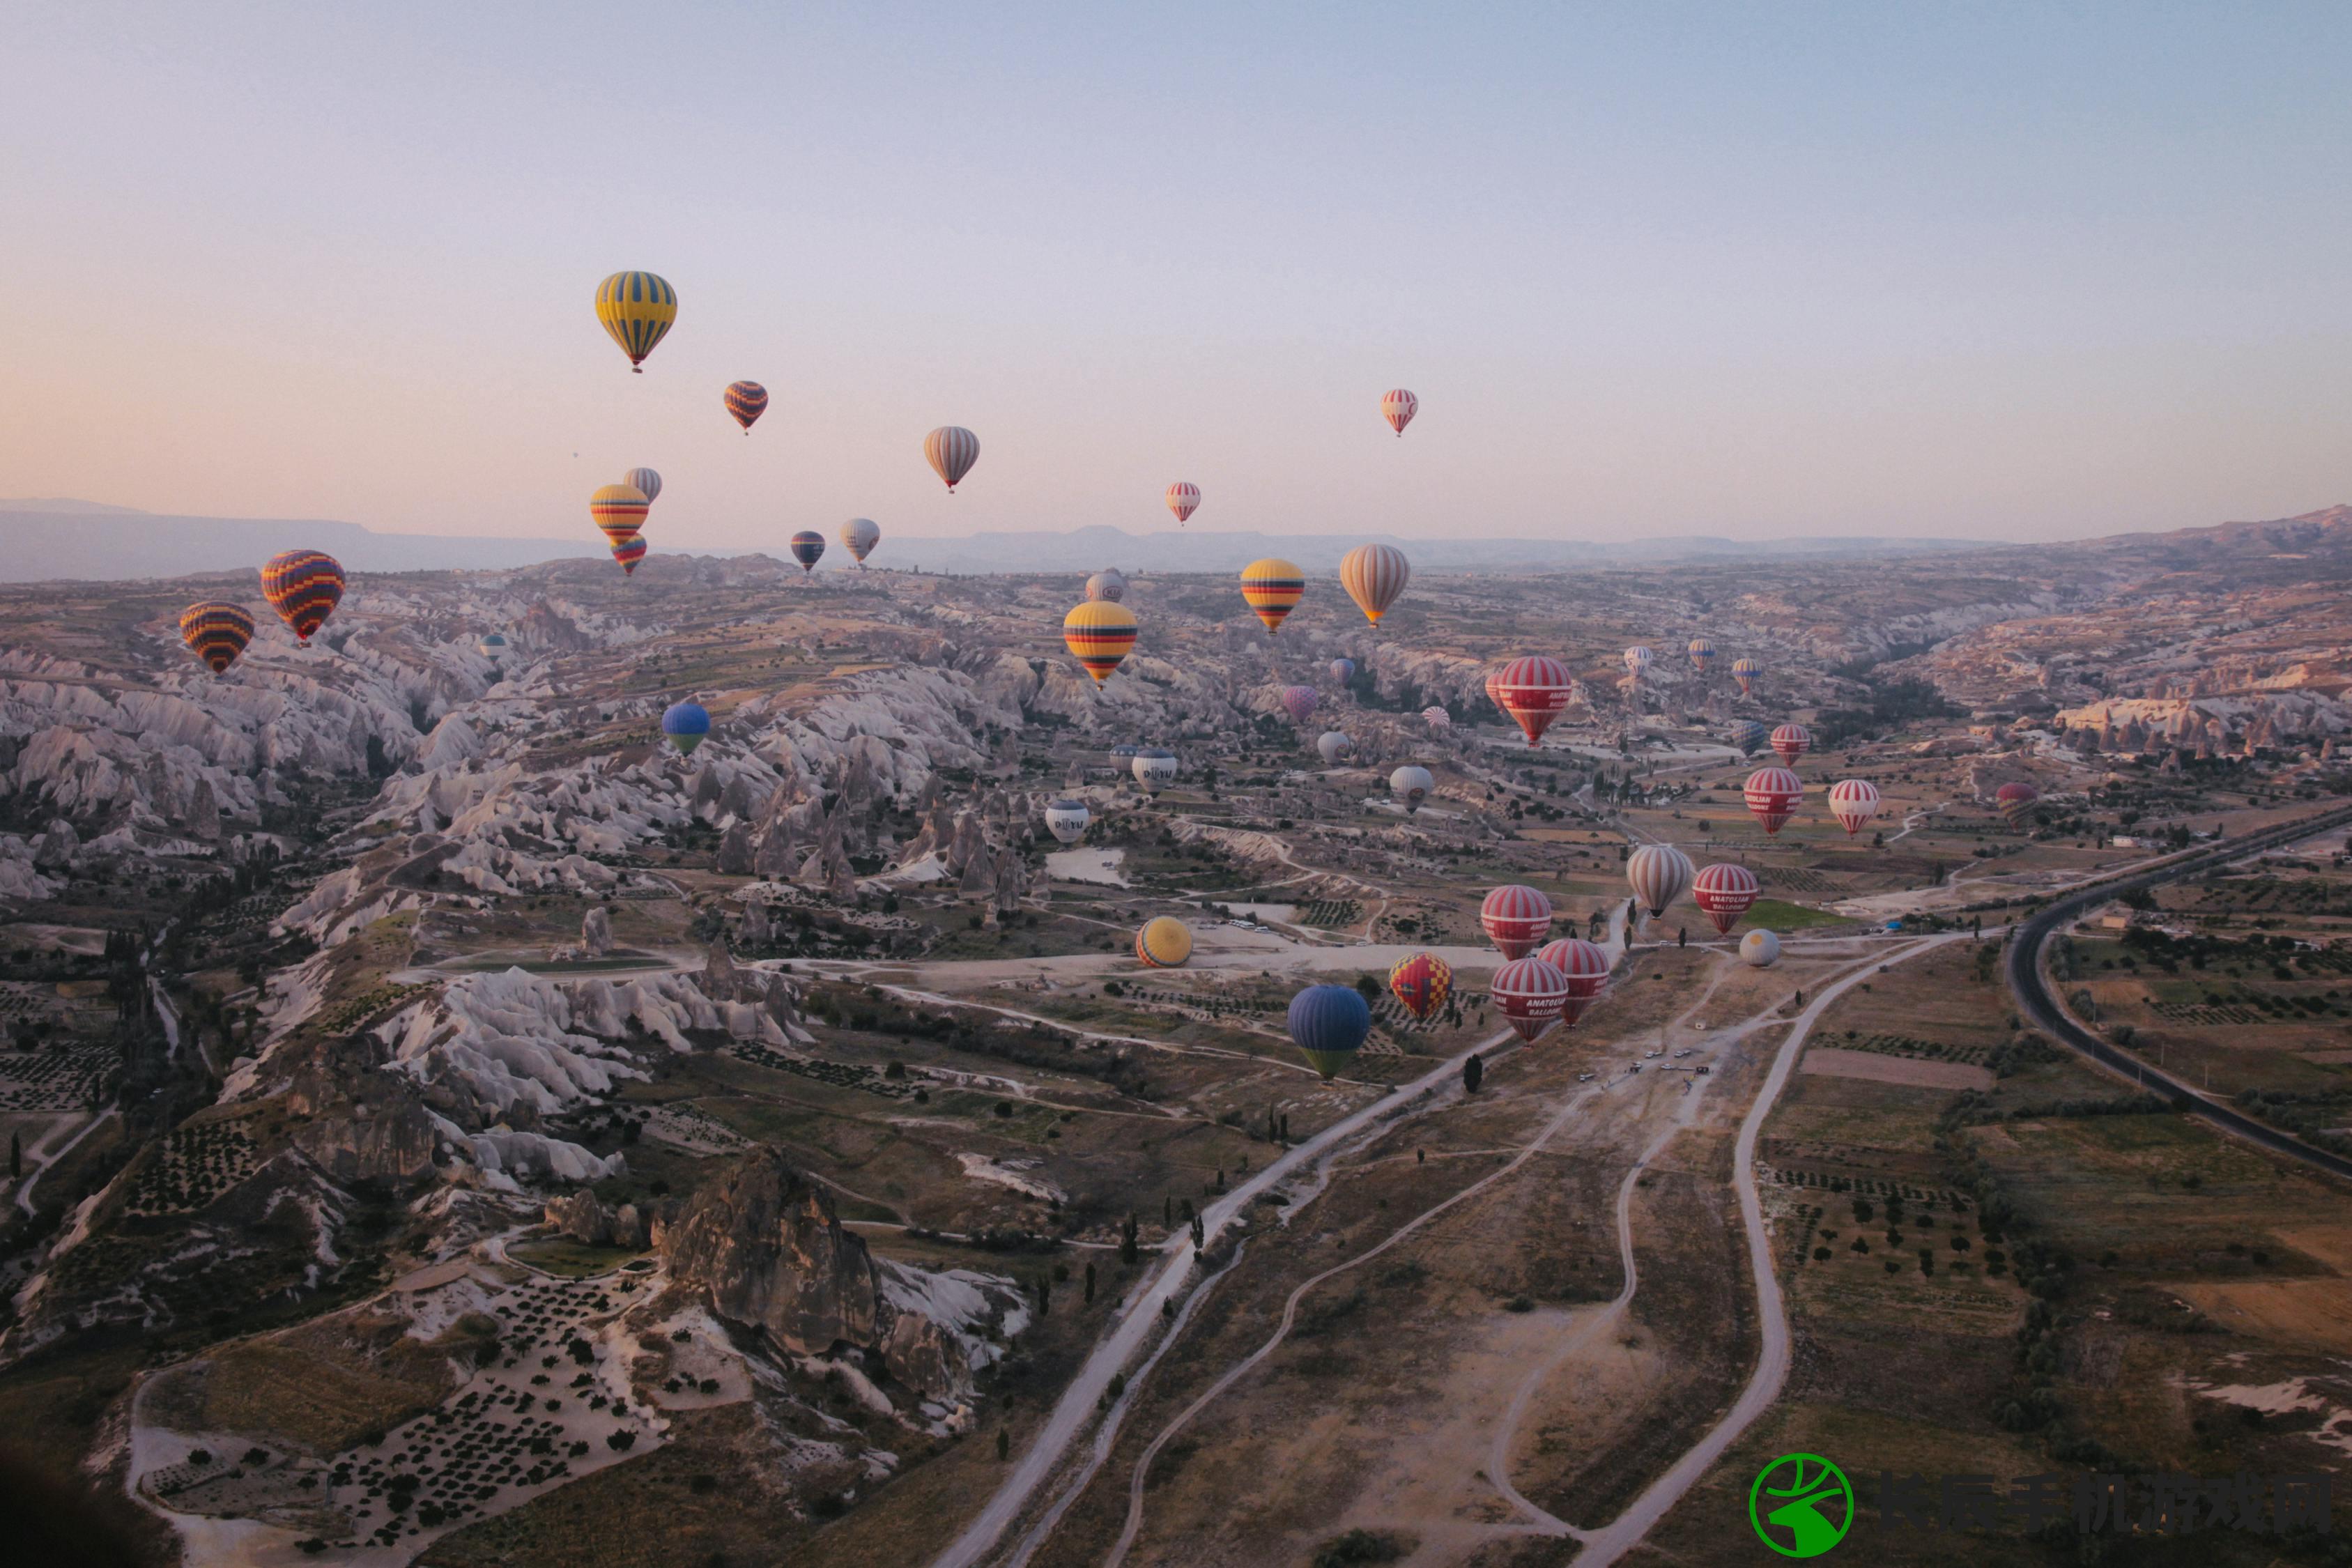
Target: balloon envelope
x=1531 y=994
x=2015 y=800
x=1163 y=943
x=1421 y=982
x=1585 y=966
x=638 y=309
x=1748 y=736
x=808 y=548
x=747 y=400
x=1374 y=575
x=1397 y=406
x=1343 y=670
x=1411 y=785
x=645 y=480
x=1516 y=918
x=1099 y=634
x=1299 y=701
x=1760 y=949
x=951 y=451
x=686 y=725
x=1724 y=892
x=1702 y=654
x=1153 y=768
x=1533 y=691
x=1791 y=742
x=1272 y=589
x=1066 y=819
x=217 y=633
x=1329 y=1024
x=859 y=535
x=1436 y=718
x=619 y=511
x=1773 y=795
x=1854 y=802
x=1659 y=874
x=303 y=586
x=1183 y=499
x=1107 y=583
x=1333 y=745
x=628 y=553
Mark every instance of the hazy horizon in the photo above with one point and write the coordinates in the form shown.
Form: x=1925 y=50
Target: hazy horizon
x=2006 y=275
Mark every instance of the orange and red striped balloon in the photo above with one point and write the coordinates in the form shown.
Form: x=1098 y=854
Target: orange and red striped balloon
x=303 y=586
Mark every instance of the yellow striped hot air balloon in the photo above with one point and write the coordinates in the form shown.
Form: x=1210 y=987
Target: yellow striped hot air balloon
x=1163 y=943
x=1272 y=588
x=638 y=309
x=217 y=633
x=1099 y=633
x=619 y=511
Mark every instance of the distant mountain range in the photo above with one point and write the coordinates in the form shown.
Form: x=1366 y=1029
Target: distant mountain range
x=52 y=538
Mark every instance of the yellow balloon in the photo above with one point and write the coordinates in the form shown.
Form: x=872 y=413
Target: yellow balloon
x=638 y=309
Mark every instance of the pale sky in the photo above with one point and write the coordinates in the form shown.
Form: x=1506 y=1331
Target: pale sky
x=2014 y=272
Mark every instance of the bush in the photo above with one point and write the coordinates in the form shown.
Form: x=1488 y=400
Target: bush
x=1360 y=1546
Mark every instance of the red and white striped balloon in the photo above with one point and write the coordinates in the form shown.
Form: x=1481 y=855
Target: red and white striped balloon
x=1183 y=499
x=1791 y=742
x=1854 y=802
x=1724 y=892
x=1517 y=918
x=1531 y=994
x=1397 y=406
x=1533 y=691
x=1586 y=968
x=1773 y=795
x=1659 y=874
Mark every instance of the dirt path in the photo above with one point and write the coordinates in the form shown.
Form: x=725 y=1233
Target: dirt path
x=46 y=1157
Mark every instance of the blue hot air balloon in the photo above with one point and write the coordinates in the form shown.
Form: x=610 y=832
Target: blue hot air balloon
x=1749 y=736
x=685 y=723
x=1343 y=670
x=1329 y=1024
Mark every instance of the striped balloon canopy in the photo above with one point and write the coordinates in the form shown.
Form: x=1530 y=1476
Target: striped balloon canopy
x=1099 y=633
x=1516 y=918
x=1272 y=588
x=747 y=400
x=646 y=480
x=1183 y=499
x=2014 y=800
x=1374 y=575
x=1750 y=737
x=1659 y=873
x=1747 y=669
x=859 y=535
x=1702 y=654
x=951 y=451
x=1300 y=702
x=619 y=511
x=638 y=309
x=628 y=553
x=1163 y=943
x=1854 y=802
x=1791 y=742
x=1724 y=892
x=808 y=548
x=303 y=586
x=1585 y=966
x=1397 y=406
x=1532 y=996
x=1533 y=691
x=1773 y=795
x=217 y=633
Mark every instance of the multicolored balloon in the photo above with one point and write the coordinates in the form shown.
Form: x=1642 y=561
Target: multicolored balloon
x=1516 y=918
x=1854 y=802
x=1748 y=671
x=951 y=451
x=1702 y=654
x=1272 y=588
x=2014 y=800
x=1531 y=994
x=1724 y=892
x=1153 y=769
x=1163 y=943
x=1748 y=736
x=1374 y=576
x=492 y=647
x=1421 y=982
x=859 y=535
x=1343 y=670
x=1397 y=406
x=1791 y=742
x=1066 y=819
x=808 y=548
x=1300 y=702
x=1585 y=966
x=747 y=400
x=1637 y=661
x=1099 y=633
x=1659 y=874
x=303 y=586
x=1533 y=691
x=1183 y=499
x=638 y=310
x=1329 y=1024
x=686 y=725
x=619 y=511
x=646 y=480
x=217 y=633
x=1411 y=785
x=1108 y=584
x=1773 y=795
x=628 y=553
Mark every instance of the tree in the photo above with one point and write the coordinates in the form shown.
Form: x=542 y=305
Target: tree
x=1369 y=987
x=15 y=1155
x=1090 y=1287
x=1474 y=1073
x=1003 y=1444
x=1128 y=1252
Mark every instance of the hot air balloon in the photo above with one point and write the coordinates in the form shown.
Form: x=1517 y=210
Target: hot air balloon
x=1329 y=1024
x=217 y=633
x=1748 y=671
x=1272 y=588
x=1791 y=742
x=1374 y=575
x=1534 y=690
x=1760 y=950
x=1494 y=683
x=1343 y=670
x=1098 y=635
x=1773 y=795
x=303 y=586
x=1333 y=745
x=1854 y=802
x=1436 y=718
x=1724 y=892
x=646 y=480
x=1421 y=982
x=1397 y=406
x=860 y=536
x=1659 y=874
x=2014 y=801
x=1066 y=819
x=493 y=647
x=1183 y=499
x=1163 y=943
x=685 y=723
x=1518 y=918
x=638 y=309
x=1300 y=702
x=1106 y=584
x=951 y=451
x=1411 y=785
x=1531 y=994
x=1702 y=655
x=1637 y=661
x=808 y=548
x=747 y=400
x=1585 y=967
x=628 y=553
x=1153 y=769
x=1748 y=736
x=619 y=511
